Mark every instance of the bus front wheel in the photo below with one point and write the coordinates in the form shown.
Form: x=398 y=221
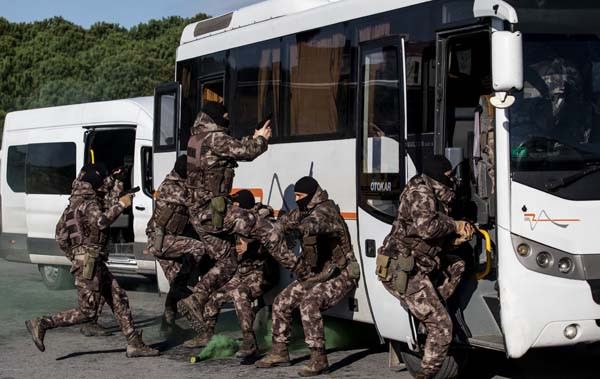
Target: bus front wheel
x=56 y=277
x=452 y=367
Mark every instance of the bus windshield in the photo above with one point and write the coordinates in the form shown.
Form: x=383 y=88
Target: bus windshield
x=555 y=122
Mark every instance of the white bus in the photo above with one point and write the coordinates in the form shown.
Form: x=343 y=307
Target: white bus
x=43 y=149
x=361 y=90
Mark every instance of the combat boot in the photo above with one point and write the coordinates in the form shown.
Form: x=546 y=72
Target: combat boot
x=248 y=347
x=137 y=348
x=169 y=315
x=201 y=340
x=92 y=329
x=317 y=365
x=277 y=357
x=37 y=327
x=422 y=375
x=192 y=308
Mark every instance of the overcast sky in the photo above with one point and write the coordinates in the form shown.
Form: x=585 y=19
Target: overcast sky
x=125 y=12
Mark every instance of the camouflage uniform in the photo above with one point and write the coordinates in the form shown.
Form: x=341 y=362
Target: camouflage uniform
x=212 y=157
x=331 y=270
x=423 y=229
x=179 y=255
x=88 y=209
x=253 y=278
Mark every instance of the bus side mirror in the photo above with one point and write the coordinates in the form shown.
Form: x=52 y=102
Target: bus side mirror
x=507 y=67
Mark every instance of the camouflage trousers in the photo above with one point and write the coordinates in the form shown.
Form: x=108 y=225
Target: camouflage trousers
x=243 y=290
x=221 y=247
x=310 y=301
x=103 y=285
x=427 y=304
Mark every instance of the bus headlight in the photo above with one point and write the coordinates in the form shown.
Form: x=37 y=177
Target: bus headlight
x=565 y=265
x=523 y=250
x=544 y=259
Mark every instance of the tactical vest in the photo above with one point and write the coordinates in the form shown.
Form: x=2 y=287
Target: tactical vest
x=81 y=232
x=319 y=251
x=215 y=179
x=173 y=218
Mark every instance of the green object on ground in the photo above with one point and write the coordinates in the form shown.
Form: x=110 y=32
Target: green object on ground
x=219 y=347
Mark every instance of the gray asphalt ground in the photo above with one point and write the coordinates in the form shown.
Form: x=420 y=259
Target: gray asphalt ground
x=354 y=350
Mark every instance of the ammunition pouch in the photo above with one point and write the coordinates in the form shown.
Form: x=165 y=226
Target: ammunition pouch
x=89 y=263
x=309 y=250
x=395 y=270
x=171 y=221
x=218 y=206
x=339 y=257
x=219 y=181
x=353 y=270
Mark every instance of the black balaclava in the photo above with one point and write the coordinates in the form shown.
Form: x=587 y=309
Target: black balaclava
x=245 y=198
x=435 y=167
x=93 y=177
x=308 y=186
x=216 y=111
x=181 y=166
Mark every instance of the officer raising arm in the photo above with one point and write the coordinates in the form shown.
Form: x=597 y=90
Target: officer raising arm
x=414 y=250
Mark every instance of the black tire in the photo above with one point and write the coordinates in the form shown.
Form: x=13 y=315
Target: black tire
x=453 y=365
x=56 y=277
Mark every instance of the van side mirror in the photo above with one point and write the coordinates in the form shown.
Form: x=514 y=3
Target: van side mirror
x=507 y=66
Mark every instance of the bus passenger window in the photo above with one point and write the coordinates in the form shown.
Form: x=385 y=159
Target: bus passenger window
x=213 y=91
x=318 y=65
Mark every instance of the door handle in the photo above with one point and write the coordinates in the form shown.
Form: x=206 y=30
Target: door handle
x=370 y=248
x=140 y=208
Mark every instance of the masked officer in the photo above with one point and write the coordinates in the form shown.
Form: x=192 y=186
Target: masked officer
x=86 y=225
x=110 y=191
x=212 y=157
x=330 y=273
x=413 y=252
x=177 y=254
x=256 y=274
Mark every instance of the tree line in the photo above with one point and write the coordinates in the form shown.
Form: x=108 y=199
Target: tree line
x=55 y=62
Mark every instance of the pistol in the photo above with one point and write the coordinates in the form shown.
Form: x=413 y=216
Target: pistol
x=131 y=191
x=261 y=123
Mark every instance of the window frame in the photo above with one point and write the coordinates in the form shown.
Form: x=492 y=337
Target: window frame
x=399 y=178
x=171 y=88
x=22 y=190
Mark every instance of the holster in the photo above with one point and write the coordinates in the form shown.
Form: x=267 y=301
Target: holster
x=159 y=238
x=89 y=263
x=218 y=205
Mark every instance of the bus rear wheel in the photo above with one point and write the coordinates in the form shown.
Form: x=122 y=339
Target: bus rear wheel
x=56 y=277
x=453 y=365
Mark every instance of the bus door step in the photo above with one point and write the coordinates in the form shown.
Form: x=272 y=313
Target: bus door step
x=493 y=342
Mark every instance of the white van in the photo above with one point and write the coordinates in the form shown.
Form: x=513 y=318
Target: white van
x=43 y=150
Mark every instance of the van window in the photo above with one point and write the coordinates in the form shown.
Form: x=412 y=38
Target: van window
x=15 y=167
x=50 y=168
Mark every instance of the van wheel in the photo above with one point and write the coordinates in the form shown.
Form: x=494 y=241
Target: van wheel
x=56 y=277
x=452 y=367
